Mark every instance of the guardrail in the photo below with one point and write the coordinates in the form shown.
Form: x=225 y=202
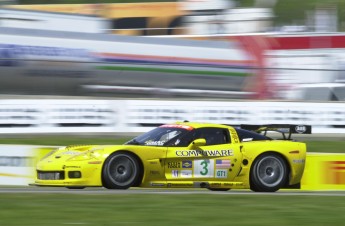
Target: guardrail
x=79 y=116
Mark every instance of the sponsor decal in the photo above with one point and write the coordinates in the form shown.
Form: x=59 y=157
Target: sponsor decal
x=300 y=129
x=223 y=164
x=334 y=172
x=154 y=172
x=177 y=126
x=221 y=173
x=174 y=165
x=178 y=185
x=187 y=164
x=174 y=173
x=234 y=135
x=157 y=184
x=196 y=153
x=204 y=168
x=186 y=174
x=154 y=143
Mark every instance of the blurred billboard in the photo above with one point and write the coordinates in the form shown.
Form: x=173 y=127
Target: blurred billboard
x=162 y=18
x=304 y=66
x=197 y=17
x=232 y=63
x=68 y=22
x=70 y=63
x=307 y=67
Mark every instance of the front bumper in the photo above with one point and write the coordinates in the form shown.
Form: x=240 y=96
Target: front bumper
x=63 y=175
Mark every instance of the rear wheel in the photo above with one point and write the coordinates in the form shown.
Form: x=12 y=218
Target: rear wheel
x=269 y=173
x=120 y=171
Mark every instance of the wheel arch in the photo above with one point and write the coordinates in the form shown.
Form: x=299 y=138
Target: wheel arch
x=140 y=162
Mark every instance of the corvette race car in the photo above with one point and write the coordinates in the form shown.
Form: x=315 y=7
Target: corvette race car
x=183 y=155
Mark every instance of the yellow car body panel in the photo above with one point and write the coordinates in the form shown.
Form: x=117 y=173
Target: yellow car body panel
x=219 y=166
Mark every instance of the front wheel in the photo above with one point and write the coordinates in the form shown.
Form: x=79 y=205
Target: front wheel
x=269 y=173
x=120 y=171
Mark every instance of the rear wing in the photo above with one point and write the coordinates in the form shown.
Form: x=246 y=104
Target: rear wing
x=280 y=128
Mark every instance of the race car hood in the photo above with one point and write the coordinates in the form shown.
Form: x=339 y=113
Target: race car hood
x=69 y=152
x=83 y=152
x=75 y=149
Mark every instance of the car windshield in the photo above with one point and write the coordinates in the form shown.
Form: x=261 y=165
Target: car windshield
x=161 y=136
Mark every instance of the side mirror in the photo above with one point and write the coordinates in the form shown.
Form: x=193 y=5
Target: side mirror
x=198 y=142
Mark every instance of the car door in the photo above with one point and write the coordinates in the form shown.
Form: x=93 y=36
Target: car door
x=210 y=156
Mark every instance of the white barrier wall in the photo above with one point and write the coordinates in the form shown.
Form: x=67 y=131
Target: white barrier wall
x=78 y=116
x=17 y=164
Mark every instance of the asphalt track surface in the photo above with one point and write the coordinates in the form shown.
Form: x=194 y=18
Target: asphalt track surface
x=102 y=191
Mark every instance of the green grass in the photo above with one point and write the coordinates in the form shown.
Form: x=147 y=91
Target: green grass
x=25 y=209
x=334 y=146
x=330 y=146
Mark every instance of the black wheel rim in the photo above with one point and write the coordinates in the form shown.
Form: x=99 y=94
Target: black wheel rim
x=122 y=170
x=270 y=171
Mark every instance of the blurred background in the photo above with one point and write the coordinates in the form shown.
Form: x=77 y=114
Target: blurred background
x=101 y=72
x=82 y=65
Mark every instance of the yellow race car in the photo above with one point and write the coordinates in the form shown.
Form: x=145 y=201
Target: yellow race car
x=183 y=155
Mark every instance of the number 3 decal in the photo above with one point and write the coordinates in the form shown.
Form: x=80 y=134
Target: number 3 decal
x=204 y=168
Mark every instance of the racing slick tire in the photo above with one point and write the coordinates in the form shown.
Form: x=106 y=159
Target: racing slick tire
x=120 y=171
x=269 y=173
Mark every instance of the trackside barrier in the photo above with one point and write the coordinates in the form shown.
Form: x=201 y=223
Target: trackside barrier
x=324 y=171
x=125 y=116
x=17 y=163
